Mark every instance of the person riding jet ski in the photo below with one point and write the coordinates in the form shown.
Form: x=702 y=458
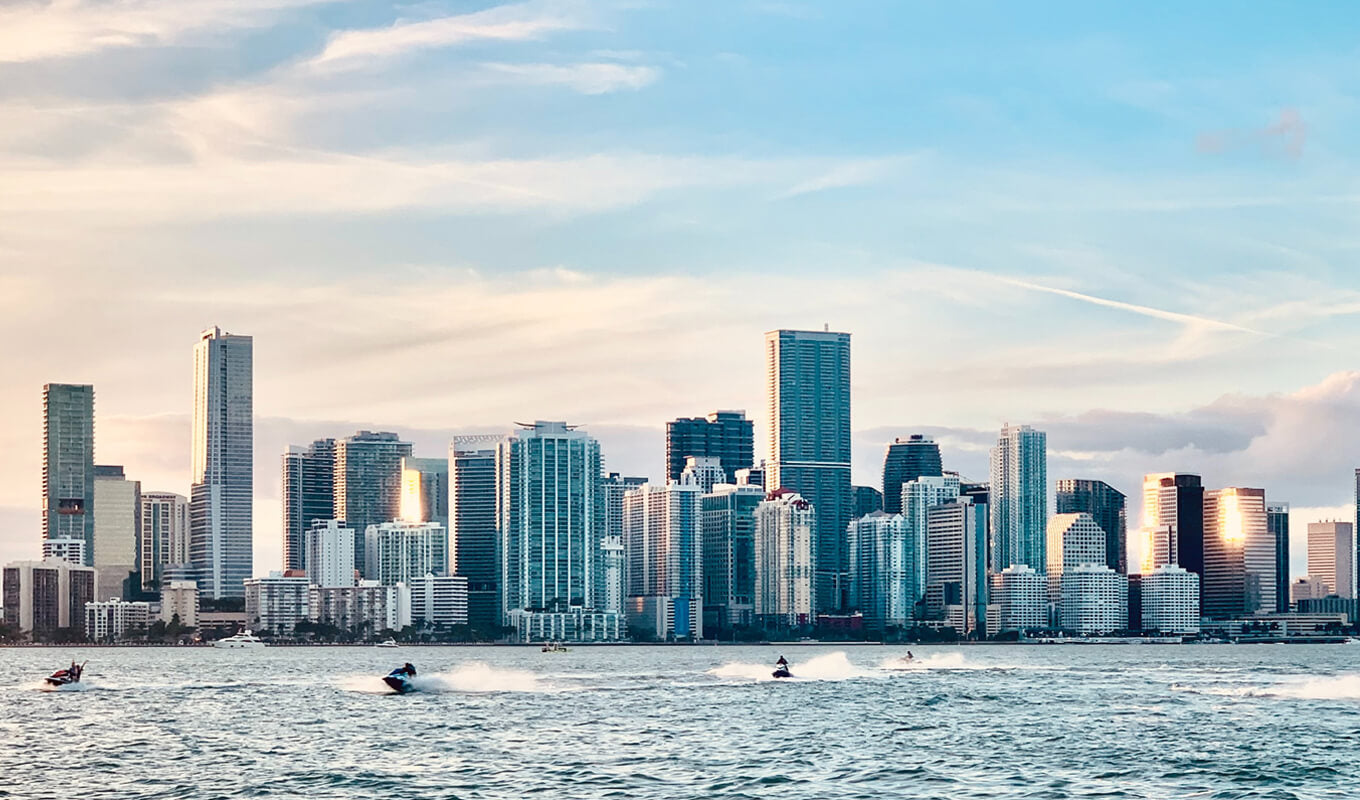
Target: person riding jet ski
x=781 y=668
x=62 y=677
x=400 y=679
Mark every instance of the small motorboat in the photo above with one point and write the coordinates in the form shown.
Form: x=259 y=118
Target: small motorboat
x=66 y=677
x=554 y=647
x=781 y=669
x=388 y=643
x=400 y=679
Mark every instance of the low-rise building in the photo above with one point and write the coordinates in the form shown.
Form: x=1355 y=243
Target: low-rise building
x=277 y=603
x=72 y=550
x=1095 y=600
x=179 y=599
x=574 y=625
x=1019 y=600
x=439 y=601
x=42 y=597
x=111 y=620
x=1170 y=601
x=367 y=609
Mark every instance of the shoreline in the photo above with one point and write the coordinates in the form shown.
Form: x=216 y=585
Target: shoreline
x=1310 y=640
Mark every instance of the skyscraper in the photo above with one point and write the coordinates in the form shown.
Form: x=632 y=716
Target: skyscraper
x=68 y=464
x=425 y=490
x=547 y=485
x=879 y=579
x=221 y=498
x=704 y=472
x=472 y=526
x=663 y=545
x=328 y=554
x=1074 y=540
x=865 y=500
x=1105 y=504
x=785 y=551
x=1277 y=520
x=1175 y=501
x=918 y=497
x=368 y=482
x=1019 y=498
x=906 y=460
x=308 y=495
x=164 y=535
x=729 y=524
x=724 y=435
x=400 y=552
x=117 y=532
x=956 y=565
x=1331 y=546
x=1239 y=554
x=808 y=383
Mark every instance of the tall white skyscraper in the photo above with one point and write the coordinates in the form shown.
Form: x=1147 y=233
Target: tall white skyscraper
x=918 y=497
x=164 y=535
x=808 y=390
x=956 y=564
x=400 y=552
x=663 y=546
x=785 y=552
x=880 y=571
x=221 y=501
x=329 y=554
x=1019 y=498
x=1331 y=548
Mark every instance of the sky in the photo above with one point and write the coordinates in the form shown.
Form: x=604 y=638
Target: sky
x=1133 y=227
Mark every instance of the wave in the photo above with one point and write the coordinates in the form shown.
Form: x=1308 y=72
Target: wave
x=471 y=677
x=1335 y=687
x=829 y=667
x=83 y=686
x=932 y=661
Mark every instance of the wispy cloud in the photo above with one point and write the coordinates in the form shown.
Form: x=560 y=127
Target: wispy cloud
x=518 y=22
x=36 y=30
x=588 y=78
x=853 y=172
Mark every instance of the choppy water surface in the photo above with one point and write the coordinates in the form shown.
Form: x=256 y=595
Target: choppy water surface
x=687 y=722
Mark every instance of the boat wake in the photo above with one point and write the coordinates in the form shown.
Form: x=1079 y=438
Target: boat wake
x=81 y=686
x=471 y=677
x=1333 y=687
x=830 y=667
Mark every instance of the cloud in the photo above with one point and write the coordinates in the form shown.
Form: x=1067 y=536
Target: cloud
x=587 y=78
x=34 y=30
x=518 y=22
x=855 y=172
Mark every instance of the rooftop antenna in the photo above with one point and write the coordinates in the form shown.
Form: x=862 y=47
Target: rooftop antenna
x=826 y=327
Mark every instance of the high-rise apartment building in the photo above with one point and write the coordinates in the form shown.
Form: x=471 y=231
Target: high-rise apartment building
x=704 y=472
x=916 y=456
x=785 y=552
x=164 y=536
x=1019 y=498
x=729 y=525
x=918 y=497
x=368 y=482
x=956 y=565
x=1074 y=540
x=1239 y=554
x=221 y=497
x=663 y=545
x=117 y=532
x=439 y=601
x=1095 y=600
x=1277 y=521
x=1175 y=501
x=1019 y=600
x=42 y=597
x=725 y=435
x=472 y=526
x=547 y=485
x=425 y=490
x=865 y=500
x=400 y=552
x=1331 y=550
x=277 y=602
x=808 y=386
x=308 y=495
x=1105 y=504
x=1170 y=601
x=329 y=554
x=880 y=559
x=68 y=464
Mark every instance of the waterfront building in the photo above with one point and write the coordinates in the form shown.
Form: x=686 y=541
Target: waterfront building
x=918 y=497
x=785 y=551
x=728 y=520
x=1018 y=600
x=808 y=388
x=43 y=597
x=180 y=599
x=473 y=539
x=1332 y=604
x=574 y=624
x=368 y=483
x=164 y=525
x=72 y=550
x=117 y=532
x=865 y=500
x=329 y=554
x=1169 y=604
x=1239 y=554
x=1175 y=500
x=956 y=564
x=1019 y=498
x=1095 y=600
x=1331 y=549
x=880 y=559
x=400 y=552
x=548 y=489
x=1277 y=522
x=308 y=495
x=277 y=602
x=1105 y=504
x=367 y=609
x=68 y=465
x=425 y=490
x=221 y=497
x=663 y=545
x=111 y=620
x=439 y=601
x=1073 y=540
x=906 y=460
x=704 y=472
x=1307 y=588
x=725 y=435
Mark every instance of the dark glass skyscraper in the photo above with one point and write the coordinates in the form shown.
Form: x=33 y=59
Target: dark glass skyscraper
x=1176 y=500
x=472 y=526
x=866 y=500
x=906 y=460
x=308 y=495
x=1106 y=505
x=368 y=483
x=1277 y=522
x=808 y=385
x=725 y=435
x=68 y=464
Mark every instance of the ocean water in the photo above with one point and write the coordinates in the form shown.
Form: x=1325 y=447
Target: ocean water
x=1271 y=721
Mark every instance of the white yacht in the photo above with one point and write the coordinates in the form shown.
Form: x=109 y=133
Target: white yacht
x=242 y=640
x=388 y=643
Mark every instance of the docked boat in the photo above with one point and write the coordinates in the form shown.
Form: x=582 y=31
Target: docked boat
x=245 y=640
x=399 y=679
x=66 y=677
x=387 y=643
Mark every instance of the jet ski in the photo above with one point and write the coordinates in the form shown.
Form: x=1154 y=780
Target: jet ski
x=400 y=679
x=66 y=677
x=781 y=669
